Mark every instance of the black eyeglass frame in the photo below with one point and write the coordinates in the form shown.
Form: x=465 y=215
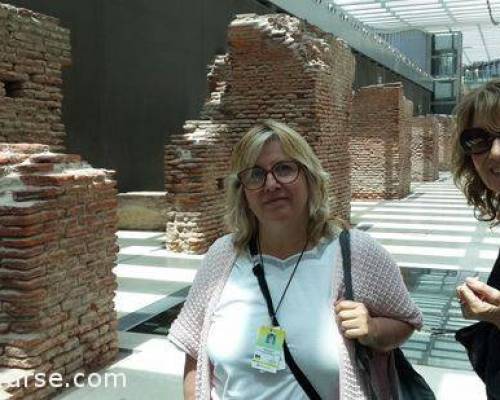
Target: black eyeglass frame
x=488 y=137
x=299 y=168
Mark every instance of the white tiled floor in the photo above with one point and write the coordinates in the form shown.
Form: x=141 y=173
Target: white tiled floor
x=432 y=228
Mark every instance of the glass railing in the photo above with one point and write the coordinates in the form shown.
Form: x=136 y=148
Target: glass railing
x=434 y=291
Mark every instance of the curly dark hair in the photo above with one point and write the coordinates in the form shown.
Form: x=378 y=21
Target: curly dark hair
x=482 y=108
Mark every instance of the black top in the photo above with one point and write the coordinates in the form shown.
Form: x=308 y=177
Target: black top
x=494 y=279
x=482 y=342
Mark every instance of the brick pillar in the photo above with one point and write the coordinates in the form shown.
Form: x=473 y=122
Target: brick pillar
x=425 y=148
x=58 y=248
x=33 y=51
x=446 y=126
x=277 y=67
x=379 y=143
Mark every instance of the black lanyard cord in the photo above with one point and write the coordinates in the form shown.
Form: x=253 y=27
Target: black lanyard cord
x=258 y=271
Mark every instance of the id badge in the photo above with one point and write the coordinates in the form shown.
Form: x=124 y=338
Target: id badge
x=268 y=355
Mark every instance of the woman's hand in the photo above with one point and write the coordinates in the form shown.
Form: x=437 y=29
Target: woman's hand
x=189 y=378
x=479 y=301
x=380 y=333
x=355 y=321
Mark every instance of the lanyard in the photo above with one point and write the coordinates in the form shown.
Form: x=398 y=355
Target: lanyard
x=258 y=271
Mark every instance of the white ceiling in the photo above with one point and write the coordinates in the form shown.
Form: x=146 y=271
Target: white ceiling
x=481 y=38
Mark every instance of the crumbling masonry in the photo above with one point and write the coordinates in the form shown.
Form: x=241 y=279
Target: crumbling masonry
x=277 y=67
x=446 y=126
x=33 y=51
x=380 y=142
x=425 y=148
x=57 y=222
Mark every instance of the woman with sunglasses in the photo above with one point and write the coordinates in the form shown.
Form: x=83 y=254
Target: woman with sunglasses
x=265 y=318
x=476 y=169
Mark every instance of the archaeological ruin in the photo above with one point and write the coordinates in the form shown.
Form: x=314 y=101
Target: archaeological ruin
x=57 y=221
x=380 y=143
x=277 y=67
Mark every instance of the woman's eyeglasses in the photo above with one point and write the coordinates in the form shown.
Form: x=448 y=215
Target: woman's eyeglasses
x=283 y=172
x=477 y=140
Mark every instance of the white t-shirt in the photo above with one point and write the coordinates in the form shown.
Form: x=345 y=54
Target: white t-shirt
x=305 y=314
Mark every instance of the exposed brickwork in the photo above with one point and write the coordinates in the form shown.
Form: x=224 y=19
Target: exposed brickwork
x=33 y=51
x=446 y=126
x=425 y=148
x=57 y=249
x=277 y=67
x=379 y=144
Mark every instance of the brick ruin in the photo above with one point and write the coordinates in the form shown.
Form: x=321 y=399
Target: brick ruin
x=380 y=142
x=57 y=221
x=425 y=148
x=33 y=51
x=277 y=67
x=446 y=126
x=58 y=247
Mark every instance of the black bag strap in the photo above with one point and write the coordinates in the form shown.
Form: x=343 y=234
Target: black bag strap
x=301 y=378
x=363 y=354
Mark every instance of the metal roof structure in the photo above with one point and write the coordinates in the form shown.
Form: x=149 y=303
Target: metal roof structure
x=478 y=20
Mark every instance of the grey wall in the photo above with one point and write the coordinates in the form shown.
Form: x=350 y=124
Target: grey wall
x=415 y=44
x=139 y=71
x=370 y=73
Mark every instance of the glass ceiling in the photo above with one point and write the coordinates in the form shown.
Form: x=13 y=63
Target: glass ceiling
x=481 y=34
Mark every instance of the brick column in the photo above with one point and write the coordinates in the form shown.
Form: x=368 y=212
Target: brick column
x=425 y=148
x=446 y=126
x=379 y=143
x=58 y=248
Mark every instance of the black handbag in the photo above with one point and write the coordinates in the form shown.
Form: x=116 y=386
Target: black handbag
x=412 y=386
x=482 y=342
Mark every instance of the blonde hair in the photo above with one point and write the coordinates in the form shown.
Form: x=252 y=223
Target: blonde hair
x=482 y=107
x=240 y=219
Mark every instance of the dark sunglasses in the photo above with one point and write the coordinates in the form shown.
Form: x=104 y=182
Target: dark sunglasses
x=477 y=140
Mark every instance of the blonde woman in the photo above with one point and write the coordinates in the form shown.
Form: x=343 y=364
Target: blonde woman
x=476 y=168
x=240 y=342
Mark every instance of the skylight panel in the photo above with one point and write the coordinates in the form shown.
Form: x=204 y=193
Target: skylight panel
x=409 y=3
x=346 y=2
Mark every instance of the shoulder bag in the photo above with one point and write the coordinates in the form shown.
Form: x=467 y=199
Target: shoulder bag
x=411 y=385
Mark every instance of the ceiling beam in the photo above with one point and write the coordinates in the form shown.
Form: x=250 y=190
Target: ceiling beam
x=481 y=33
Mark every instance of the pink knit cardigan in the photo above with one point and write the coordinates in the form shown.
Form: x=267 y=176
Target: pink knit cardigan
x=377 y=283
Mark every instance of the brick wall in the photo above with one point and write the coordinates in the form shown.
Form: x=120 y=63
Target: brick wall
x=379 y=144
x=58 y=247
x=33 y=51
x=57 y=221
x=277 y=67
x=446 y=126
x=425 y=148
